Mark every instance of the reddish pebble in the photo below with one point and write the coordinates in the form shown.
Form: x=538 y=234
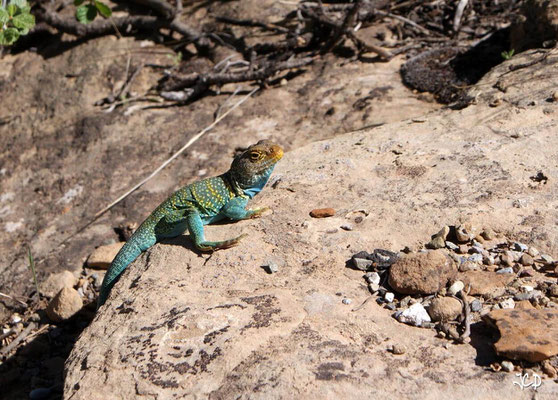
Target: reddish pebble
x=322 y=212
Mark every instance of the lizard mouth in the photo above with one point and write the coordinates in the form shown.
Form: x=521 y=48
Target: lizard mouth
x=276 y=152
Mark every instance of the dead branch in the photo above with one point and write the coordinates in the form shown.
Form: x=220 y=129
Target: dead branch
x=249 y=22
x=101 y=27
x=363 y=46
x=216 y=78
x=160 y=6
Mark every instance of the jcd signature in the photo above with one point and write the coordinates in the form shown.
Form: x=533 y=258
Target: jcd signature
x=524 y=381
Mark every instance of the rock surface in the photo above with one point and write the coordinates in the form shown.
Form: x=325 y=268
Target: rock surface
x=485 y=283
x=183 y=324
x=422 y=273
x=530 y=335
x=64 y=305
x=102 y=256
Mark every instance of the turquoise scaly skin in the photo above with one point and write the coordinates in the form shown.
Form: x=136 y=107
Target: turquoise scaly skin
x=198 y=204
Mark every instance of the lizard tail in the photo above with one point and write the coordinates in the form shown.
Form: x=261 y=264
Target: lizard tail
x=127 y=254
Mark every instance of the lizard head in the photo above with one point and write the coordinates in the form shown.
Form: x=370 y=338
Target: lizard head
x=252 y=168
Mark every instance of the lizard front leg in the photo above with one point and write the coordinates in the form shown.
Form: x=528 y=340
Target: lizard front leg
x=195 y=227
x=235 y=209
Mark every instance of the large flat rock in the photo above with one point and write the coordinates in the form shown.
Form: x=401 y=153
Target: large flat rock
x=183 y=325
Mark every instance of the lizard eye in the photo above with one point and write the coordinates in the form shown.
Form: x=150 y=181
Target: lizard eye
x=254 y=156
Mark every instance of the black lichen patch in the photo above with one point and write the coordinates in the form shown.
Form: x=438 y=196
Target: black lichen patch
x=265 y=310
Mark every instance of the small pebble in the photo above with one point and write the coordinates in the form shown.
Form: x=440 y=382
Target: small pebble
x=271 y=267
x=452 y=246
x=398 y=349
x=389 y=297
x=488 y=234
x=347 y=227
x=456 y=287
x=463 y=249
x=347 y=301
x=373 y=287
x=507 y=366
x=527 y=288
x=520 y=247
x=506 y=259
x=476 y=305
x=533 y=252
x=476 y=258
x=373 y=277
x=555 y=96
x=391 y=306
x=507 y=304
x=462 y=234
x=436 y=243
x=15 y=319
x=526 y=260
x=322 y=212
x=547 y=259
x=508 y=270
x=488 y=260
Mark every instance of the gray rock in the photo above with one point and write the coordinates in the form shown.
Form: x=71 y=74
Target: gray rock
x=475 y=249
x=507 y=366
x=347 y=301
x=534 y=294
x=346 y=227
x=362 y=264
x=476 y=305
x=476 y=258
x=546 y=258
x=507 y=270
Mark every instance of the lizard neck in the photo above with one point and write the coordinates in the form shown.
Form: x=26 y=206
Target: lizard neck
x=249 y=185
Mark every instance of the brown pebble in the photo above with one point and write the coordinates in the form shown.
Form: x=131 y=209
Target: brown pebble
x=398 y=349
x=526 y=260
x=488 y=234
x=555 y=96
x=548 y=369
x=322 y=212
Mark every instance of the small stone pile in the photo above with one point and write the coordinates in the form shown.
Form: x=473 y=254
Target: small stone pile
x=463 y=277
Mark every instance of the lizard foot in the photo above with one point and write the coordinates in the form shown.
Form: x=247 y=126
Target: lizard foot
x=225 y=244
x=257 y=212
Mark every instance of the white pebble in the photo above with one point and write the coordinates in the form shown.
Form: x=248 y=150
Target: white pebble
x=508 y=303
x=415 y=315
x=347 y=301
x=456 y=287
x=389 y=297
